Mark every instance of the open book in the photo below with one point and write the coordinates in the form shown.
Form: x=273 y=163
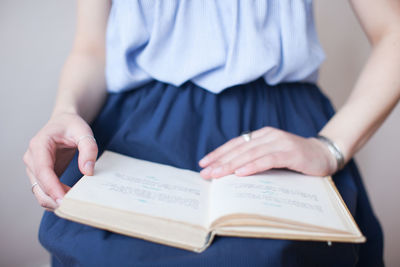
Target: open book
x=177 y=207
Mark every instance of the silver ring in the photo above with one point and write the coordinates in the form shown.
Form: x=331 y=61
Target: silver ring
x=83 y=137
x=247 y=136
x=33 y=185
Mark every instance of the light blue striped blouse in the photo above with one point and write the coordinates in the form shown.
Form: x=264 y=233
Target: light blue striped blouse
x=213 y=43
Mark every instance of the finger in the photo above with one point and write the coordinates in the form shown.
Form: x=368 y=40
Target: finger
x=43 y=171
x=87 y=153
x=221 y=150
x=241 y=159
x=231 y=144
x=221 y=166
x=270 y=161
x=239 y=151
x=44 y=200
x=28 y=162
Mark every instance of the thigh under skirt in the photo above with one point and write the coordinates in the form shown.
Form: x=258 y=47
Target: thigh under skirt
x=178 y=126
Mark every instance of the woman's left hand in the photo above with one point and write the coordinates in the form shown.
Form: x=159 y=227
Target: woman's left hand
x=268 y=148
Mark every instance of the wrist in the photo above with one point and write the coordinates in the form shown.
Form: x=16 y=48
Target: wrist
x=64 y=110
x=334 y=151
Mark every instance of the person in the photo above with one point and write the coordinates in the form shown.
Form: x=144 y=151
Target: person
x=179 y=82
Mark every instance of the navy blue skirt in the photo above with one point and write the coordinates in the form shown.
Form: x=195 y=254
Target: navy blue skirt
x=178 y=126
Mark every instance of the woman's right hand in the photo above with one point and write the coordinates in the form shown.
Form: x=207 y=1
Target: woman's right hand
x=50 y=152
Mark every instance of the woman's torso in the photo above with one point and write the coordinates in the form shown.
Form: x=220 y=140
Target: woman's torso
x=215 y=44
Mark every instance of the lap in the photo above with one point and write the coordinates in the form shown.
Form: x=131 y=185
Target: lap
x=179 y=125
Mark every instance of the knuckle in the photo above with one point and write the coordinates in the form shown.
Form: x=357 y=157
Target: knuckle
x=276 y=134
x=25 y=158
x=32 y=143
x=266 y=129
x=38 y=143
x=216 y=164
x=281 y=134
x=87 y=149
x=35 y=140
x=92 y=149
x=227 y=166
x=289 y=143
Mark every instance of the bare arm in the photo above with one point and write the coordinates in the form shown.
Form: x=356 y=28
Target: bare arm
x=375 y=94
x=81 y=93
x=377 y=89
x=82 y=87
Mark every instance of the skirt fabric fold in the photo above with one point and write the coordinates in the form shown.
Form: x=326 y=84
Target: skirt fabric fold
x=178 y=126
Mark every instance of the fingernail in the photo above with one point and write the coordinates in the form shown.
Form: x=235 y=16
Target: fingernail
x=89 y=166
x=204 y=161
x=206 y=171
x=217 y=171
x=241 y=171
x=59 y=201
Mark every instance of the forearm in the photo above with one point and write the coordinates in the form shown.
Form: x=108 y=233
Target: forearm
x=375 y=94
x=81 y=92
x=82 y=87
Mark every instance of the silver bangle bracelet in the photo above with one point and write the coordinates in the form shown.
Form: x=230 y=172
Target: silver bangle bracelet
x=334 y=149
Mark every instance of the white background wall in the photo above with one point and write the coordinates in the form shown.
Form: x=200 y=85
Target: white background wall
x=35 y=37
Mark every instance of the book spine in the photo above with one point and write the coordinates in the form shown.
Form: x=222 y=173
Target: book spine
x=207 y=242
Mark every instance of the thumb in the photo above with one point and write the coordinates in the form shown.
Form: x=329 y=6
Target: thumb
x=87 y=153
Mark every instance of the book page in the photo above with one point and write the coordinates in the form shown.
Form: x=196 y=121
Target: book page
x=278 y=232
x=144 y=187
x=279 y=194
